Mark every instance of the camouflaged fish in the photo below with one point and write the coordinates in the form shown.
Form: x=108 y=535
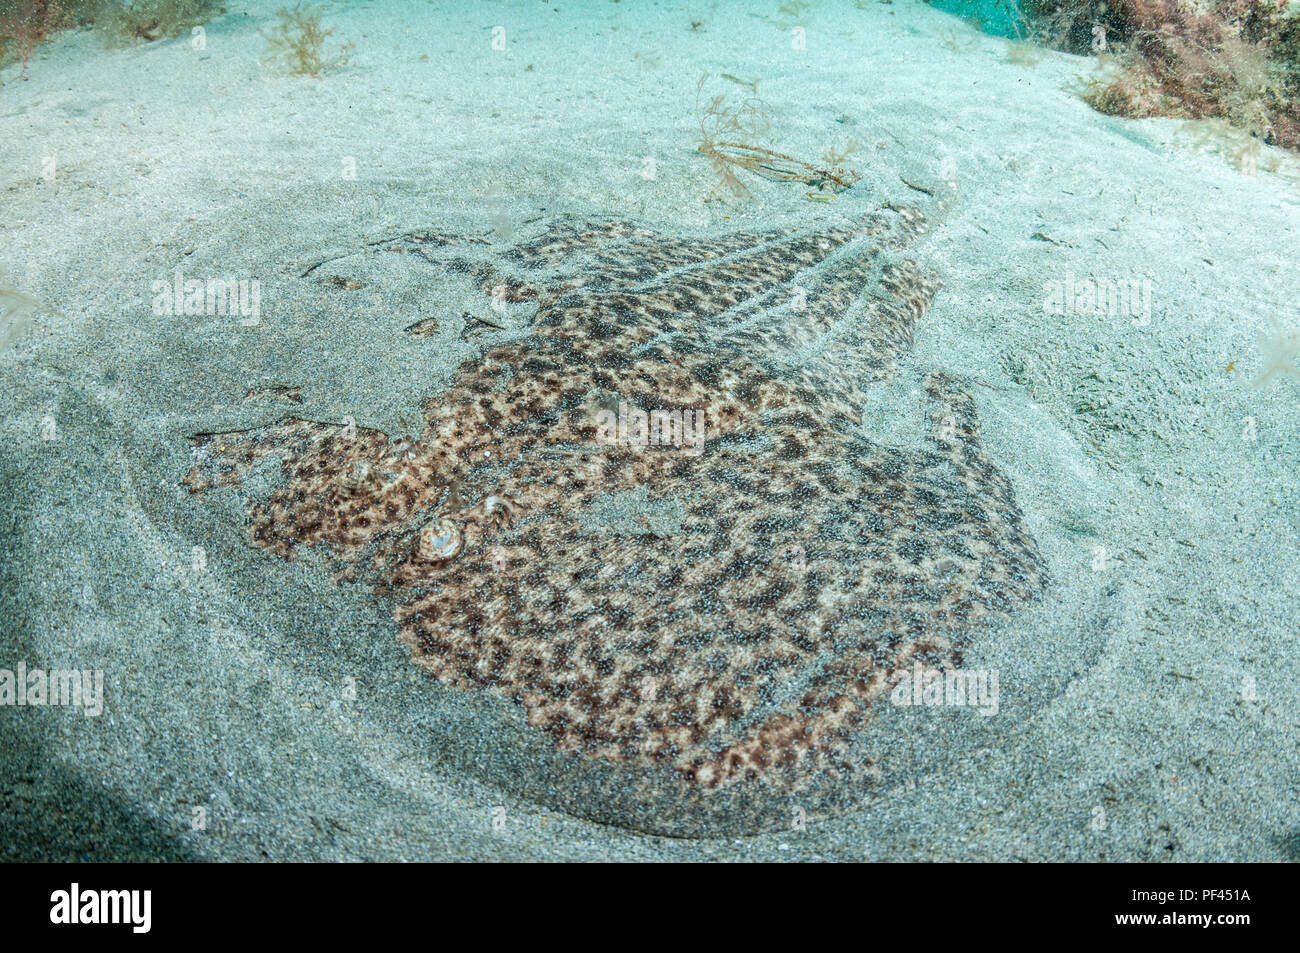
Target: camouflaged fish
x=784 y=566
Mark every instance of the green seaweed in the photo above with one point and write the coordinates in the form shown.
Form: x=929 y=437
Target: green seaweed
x=144 y=21
x=1236 y=60
x=26 y=23
x=298 y=43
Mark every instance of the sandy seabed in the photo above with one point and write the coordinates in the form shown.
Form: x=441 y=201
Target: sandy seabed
x=1155 y=459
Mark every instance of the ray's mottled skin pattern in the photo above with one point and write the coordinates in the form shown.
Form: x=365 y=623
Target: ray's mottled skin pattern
x=810 y=563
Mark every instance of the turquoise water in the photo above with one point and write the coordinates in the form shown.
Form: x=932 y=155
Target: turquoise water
x=996 y=17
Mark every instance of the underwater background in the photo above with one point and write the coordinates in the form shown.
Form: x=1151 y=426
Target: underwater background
x=1106 y=282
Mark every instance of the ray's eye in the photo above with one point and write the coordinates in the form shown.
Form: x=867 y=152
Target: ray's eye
x=440 y=541
x=358 y=477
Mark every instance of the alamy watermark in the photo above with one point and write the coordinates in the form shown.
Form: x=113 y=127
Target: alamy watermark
x=932 y=687
x=1100 y=296
x=129 y=907
x=215 y=296
x=57 y=688
x=634 y=427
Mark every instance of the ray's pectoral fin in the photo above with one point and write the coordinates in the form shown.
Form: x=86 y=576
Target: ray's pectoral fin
x=954 y=421
x=1017 y=571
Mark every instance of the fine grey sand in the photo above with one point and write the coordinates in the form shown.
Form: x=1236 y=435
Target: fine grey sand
x=1149 y=701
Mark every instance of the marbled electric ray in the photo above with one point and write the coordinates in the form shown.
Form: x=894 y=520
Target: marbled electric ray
x=741 y=637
